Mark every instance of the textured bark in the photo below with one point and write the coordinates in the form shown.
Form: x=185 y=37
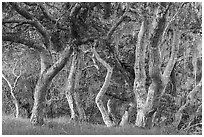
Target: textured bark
x=146 y=107
x=172 y=59
x=140 y=76
x=124 y=120
x=103 y=90
x=48 y=70
x=82 y=115
x=37 y=117
x=110 y=109
x=155 y=88
x=46 y=76
x=69 y=87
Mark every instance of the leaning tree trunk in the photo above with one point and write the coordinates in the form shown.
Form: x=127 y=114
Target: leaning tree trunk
x=82 y=115
x=39 y=96
x=103 y=90
x=48 y=72
x=172 y=60
x=40 y=89
x=69 y=87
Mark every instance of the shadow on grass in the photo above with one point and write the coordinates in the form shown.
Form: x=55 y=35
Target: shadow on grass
x=62 y=126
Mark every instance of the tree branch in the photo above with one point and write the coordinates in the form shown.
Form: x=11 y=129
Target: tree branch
x=34 y=22
x=15 y=68
x=117 y=96
x=99 y=58
x=55 y=68
x=31 y=3
x=173 y=57
x=17 y=39
x=90 y=67
x=45 y=11
x=21 y=11
x=169 y=23
x=114 y=27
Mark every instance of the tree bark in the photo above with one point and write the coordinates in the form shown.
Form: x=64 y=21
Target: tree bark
x=40 y=89
x=156 y=87
x=82 y=115
x=69 y=87
x=172 y=60
x=124 y=120
x=99 y=97
x=46 y=76
x=146 y=106
x=140 y=76
x=37 y=117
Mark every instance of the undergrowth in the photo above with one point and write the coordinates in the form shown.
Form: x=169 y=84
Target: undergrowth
x=62 y=126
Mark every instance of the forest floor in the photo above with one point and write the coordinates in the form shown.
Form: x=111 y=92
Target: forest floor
x=62 y=126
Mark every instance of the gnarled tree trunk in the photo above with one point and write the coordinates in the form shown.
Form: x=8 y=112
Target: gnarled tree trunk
x=40 y=89
x=103 y=90
x=46 y=76
x=147 y=104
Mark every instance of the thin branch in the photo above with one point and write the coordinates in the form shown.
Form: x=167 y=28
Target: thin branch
x=191 y=96
x=120 y=20
x=52 y=6
x=112 y=30
x=99 y=58
x=112 y=95
x=13 y=71
x=87 y=67
x=187 y=128
x=169 y=23
x=18 y=21
x=53 y=98
x=31 y=3
x=45 y=11
x=7 y=81
x=173 y=57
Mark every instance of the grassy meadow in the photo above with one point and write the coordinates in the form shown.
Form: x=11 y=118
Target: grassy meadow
x=62 y=126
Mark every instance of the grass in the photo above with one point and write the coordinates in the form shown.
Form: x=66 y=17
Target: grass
x=62 y=126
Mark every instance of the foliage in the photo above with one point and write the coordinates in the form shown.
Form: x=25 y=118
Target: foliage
x=93 y=22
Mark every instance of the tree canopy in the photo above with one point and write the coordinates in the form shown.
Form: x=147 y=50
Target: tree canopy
x=142 y=59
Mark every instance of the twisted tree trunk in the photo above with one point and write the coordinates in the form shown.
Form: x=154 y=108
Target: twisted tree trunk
x=147 y=103
x=48 y=72
x=103 y=90
x=40 y=89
